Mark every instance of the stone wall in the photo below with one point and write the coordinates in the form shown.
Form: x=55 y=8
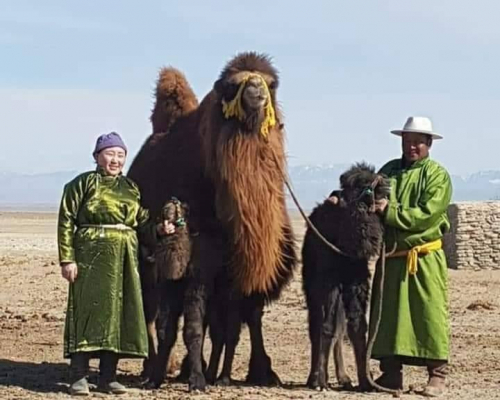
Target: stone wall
x=474 y=239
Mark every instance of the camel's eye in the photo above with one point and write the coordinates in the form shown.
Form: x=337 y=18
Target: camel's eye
x=230 y=90
x=272 y=85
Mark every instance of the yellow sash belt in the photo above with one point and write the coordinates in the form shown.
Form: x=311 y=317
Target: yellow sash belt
x=412 y=254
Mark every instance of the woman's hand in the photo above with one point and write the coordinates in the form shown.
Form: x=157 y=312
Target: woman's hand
x=165 y=228
x=381 y=205
x=69 y=271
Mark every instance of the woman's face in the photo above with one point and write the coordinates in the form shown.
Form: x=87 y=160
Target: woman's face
x=112 y=160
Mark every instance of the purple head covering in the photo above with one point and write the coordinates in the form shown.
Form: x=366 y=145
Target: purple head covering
x=107 y=140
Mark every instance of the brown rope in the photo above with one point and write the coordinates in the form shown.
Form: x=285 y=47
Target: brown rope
x=301 y=210
x=372 y=333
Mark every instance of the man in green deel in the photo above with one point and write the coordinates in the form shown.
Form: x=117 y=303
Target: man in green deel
x=414 y=325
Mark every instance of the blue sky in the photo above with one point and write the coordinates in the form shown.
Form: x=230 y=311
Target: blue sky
x=350 y=72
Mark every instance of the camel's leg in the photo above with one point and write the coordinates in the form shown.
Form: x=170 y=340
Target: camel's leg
x=331 y=331
x=207 y=264
x=173 y=363
x=147 y=365
x=315 y=323
x=168 y=323
x=151 y=301
x=356 y=301
x=216 y=326
x=185 y=371
x=194 y=314
x=231 y=338
x=260 y=371
x=342 y=377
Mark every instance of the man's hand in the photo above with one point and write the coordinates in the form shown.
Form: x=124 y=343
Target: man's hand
x=381 y=205
x=69 y=271
x=165 y=228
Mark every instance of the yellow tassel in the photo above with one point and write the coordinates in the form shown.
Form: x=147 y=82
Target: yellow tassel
x=234 y=108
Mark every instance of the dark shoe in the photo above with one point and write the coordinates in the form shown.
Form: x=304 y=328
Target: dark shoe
x=107 y=374
x=79 y=370
x=390 y=380
x=392 y=375
x=112 y=387
x=79 y=388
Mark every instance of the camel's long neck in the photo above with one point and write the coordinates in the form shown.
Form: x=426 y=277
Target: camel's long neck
x=250 y=203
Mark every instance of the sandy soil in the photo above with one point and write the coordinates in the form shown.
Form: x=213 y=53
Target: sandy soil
x=32 y=303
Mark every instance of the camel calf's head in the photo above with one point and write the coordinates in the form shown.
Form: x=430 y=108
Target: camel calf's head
x=362 y=186
x=175 y=212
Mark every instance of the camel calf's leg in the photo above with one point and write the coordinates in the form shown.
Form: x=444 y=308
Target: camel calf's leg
x=331 y=332
x=194 y=314
x=315 y=322
x=356 y=303
x=342 y=377
x=168 y=324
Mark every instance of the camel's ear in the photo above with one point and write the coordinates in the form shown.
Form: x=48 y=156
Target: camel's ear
x=345 y=180
x=219 y=86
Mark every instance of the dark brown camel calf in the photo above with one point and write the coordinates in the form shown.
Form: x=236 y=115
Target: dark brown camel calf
x=337 y=286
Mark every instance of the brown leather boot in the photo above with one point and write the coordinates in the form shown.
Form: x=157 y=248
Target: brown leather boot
x=392 y=373
x=437 y=378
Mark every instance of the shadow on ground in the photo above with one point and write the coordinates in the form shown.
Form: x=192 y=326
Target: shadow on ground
x=37 y=377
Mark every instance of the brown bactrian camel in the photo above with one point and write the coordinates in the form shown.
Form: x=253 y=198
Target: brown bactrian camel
x=226 y=160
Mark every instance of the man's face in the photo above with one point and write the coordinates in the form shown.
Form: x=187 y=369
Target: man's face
x=416 y=146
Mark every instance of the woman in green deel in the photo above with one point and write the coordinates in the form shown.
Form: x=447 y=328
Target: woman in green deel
x=100 y=219
x=414 y=326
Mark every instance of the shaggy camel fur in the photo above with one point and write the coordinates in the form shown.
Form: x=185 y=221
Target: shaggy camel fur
x=337 y=286
x=165 y=267
x=171 y=84
x=228 y=169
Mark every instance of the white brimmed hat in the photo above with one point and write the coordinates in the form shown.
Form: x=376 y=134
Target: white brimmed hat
x=419 y=125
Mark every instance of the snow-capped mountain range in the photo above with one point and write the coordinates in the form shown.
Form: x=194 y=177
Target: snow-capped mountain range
x=310 y=182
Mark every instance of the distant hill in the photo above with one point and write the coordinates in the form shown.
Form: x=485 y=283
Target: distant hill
x=32 y=192
x=313 y=183
x=310 y=182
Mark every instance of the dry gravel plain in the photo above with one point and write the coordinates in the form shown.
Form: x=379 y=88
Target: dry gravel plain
x=32 y=303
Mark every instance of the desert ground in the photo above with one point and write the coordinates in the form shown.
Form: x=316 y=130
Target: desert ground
x=32 y=306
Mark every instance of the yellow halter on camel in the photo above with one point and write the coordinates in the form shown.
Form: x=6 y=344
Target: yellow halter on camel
x=234 y=108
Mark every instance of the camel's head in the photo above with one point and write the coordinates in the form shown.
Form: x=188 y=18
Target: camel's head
x=362 y=186
x=247 y=89
x=175 y=212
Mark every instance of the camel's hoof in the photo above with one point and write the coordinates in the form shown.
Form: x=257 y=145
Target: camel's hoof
x=345 y=383
x=365 y=387
x=224 y=381
x=317 y=383
x=269 y=378
x=197 y=382
x=151 y=384
x=210 y=378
